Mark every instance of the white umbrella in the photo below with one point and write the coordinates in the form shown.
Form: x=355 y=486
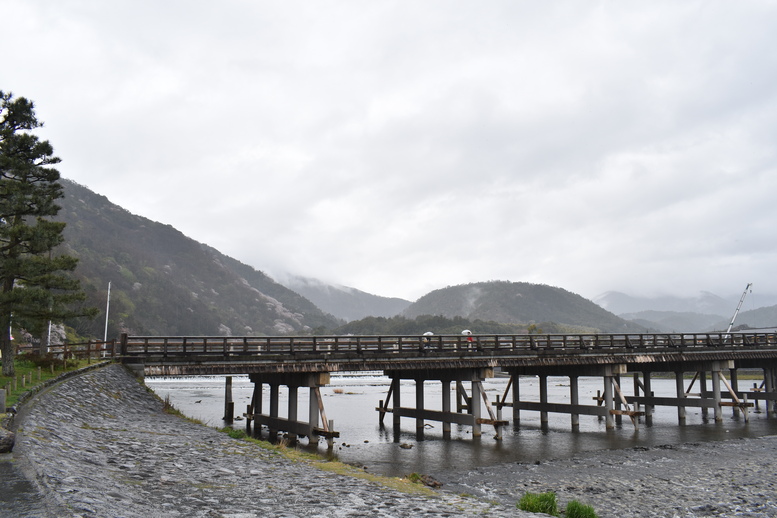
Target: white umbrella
x=466 y=332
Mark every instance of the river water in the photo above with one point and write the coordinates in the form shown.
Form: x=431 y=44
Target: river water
x=350 y=401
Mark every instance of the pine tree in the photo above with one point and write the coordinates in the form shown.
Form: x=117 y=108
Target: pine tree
x=34 y=283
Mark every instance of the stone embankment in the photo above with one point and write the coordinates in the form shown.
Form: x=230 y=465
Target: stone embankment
x=100 y=445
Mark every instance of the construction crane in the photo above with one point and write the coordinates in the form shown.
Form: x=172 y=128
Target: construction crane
x=739 y=306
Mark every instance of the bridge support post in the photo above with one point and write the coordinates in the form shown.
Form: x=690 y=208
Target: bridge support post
x=617 y=402
x=543 y=401
x=274 y=396
x=462 y=400
x=419 y=404
x=608 y=399
x=477 y=389
x=718 y=410
x=734 y=382
x=769 y=374
x=648 y=391
x=292 y=410
x=229 y=404
x=704 y=394
x=397 y=415
x=680 y=396
x=257 y=398
x=637 y=385
x=516 y=399
x=446 y=407
x=313 y=406
x=574 y=399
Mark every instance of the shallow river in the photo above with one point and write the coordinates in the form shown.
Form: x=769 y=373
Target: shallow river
x=350 y=401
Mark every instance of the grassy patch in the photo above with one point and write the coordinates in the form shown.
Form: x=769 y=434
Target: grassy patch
x=539 y=503
x=577 y=510
x=546 y=503
x=32 y=371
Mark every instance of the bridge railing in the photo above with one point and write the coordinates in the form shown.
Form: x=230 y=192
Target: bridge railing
x=90 y=350
x=445 y=344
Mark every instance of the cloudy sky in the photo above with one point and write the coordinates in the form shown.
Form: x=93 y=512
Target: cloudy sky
x=403 y=146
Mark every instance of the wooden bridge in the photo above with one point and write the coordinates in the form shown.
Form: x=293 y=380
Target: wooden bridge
x=307 y=361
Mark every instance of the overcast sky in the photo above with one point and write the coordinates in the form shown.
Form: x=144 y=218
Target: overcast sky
x=400 y=147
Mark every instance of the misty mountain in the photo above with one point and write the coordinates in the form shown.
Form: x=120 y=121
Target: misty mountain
x=755 y=319
x=344 y=302
x=518 y=303
x=674 y=321
x=704 y=303
x=164 y=283
x=704 y=312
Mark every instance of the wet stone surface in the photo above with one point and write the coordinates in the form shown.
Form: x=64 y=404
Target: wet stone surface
x=728 y=478
x=100 y=445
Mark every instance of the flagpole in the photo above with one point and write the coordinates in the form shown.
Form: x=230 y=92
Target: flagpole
x=107 y=309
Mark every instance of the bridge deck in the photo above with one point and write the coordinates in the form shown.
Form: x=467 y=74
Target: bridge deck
x=235 y=355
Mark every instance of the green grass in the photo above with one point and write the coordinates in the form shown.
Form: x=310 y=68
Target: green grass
x=539 y=503
x=577 y=510
x=546 y=503
x=40 y=369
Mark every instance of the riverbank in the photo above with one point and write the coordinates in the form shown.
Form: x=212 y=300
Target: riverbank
x=99 y=444
x=735 y=478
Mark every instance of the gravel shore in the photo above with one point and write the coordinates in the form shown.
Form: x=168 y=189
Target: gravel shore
x=100 y=445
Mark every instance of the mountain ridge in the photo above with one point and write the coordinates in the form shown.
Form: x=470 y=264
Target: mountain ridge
x=344 y=302
x=518 y=303
x=165 y=283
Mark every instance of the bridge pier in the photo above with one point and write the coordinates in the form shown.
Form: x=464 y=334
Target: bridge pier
x=678 y=375
x=732 y=374
x=291 y=424
x=608 y=399
x=606 y=407
x=464 y=401
x=543 y=402
x=702 y=376
x=573 y=399
x=229 y=404
x=769 y=382
x=648 y=392
x=716 y=394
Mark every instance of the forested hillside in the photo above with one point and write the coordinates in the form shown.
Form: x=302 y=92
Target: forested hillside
x=519 y=303
x=165 y=283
